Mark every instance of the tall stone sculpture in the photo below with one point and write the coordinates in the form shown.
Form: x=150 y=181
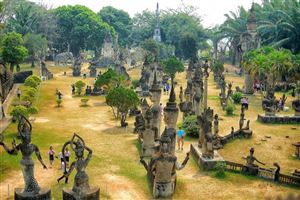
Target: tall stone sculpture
x=296 y=102
x=81 y=188
x=170 y=118
x=149 y=135
x=155 y=95
x=77 y=66
x=32 y=190
x=269 y=103
x=161 y=170
x=206 y=140
x=45 y=72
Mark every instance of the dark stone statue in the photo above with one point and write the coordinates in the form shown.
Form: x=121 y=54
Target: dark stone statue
x=81 y=188
x=32 y=190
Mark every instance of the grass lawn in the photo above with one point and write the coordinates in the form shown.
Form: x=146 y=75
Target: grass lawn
x=115 y=166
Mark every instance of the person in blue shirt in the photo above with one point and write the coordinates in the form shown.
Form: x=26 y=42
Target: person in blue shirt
x=180 y=134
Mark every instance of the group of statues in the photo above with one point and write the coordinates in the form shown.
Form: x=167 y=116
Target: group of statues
x=32 y=190
x=159 y=146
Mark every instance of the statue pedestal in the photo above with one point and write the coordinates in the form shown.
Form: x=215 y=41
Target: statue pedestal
x=92 y=194
x=205 y=163
x=44 y=194
x=279 y=119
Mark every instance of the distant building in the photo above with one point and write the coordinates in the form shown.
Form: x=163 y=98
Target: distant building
x=157 y=36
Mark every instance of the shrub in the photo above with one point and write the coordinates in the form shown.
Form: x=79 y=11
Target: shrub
x=79 y=85
x=36 y=78
x=32 y=110
x=237 y=96
x=84 y=101
x=19 y=110
x=135 y=83
x=229 y=108
x=190 y=125
x=59 y=102
x=28 y=98
x=31 y=82
x=220 y=168
x=31 y=92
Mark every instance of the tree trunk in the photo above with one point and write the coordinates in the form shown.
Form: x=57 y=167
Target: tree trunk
x=233 y=56
x=248 y=83
x=215 y=44
x=32 y=63
x=12 y=65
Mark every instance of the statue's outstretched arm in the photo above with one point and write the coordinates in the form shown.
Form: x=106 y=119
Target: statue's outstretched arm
x=259 y=162
x=14 y=150
x=144 y=163
x=89 y=156
x=180 y=167
x=38 y=155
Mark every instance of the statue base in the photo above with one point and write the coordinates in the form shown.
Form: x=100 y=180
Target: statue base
x=279 y=119
x=44 y=194
x=76 y=74
x=205 y=163
x=92 y=194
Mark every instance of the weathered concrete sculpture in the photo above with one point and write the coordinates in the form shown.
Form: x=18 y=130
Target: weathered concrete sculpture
x=161 y=170
x=170 y=118
x=269 y=103
x=81 y=188
x=296 y=102
x=77 y=66
x=32 y=190
x=45 y=72
x=149 y=136
x=64 y=58
x=205 y=139
x=155 y=95
x=250 y=166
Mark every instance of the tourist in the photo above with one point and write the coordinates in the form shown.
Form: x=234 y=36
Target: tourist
x=245 y=103
x=61 y=156
x=180 y=134
x=59 y=94
x=19 y=93
x=65 y=171
x=167 y=88
x=51 y=156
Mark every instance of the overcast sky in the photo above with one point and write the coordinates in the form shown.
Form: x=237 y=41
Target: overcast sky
x=212 y=11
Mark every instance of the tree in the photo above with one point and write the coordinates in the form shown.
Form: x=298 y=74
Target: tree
x=121 y=100
x=106 y=78
x=118 y=19
x=79 y=85
x=80 y=28
x=171 y=66
x=13 y=51
x=36 y=45
x=152 y=48
x=188 y=46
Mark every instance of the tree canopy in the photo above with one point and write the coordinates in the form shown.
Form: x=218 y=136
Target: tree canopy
x=172 y=65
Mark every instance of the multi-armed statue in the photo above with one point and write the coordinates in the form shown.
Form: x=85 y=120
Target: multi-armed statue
x=81 y=188
x=32 y=190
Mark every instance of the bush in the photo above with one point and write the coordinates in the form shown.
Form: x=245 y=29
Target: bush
x=59 y=102
x=36 y=78
x=220 y=168
x=31 y=92
x=135 y=83
x=32 y=110
x=28 y=98
x=19 y=110
x=229 y=108
x=190 y=125
x=237 y=96
x=31 y=82
x=84 y=101
x=79 y=85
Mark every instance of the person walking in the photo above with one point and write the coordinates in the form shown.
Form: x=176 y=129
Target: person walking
x=67 y=156
x=180 y=142
x=51 y=156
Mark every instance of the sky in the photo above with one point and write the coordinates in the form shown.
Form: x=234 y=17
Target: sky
x=211 y=11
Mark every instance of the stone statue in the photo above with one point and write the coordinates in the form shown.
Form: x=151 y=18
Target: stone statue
x=269 y=103
x=45 y=72
x=251 y=159
x=181 y=94
x=139 y=124
x=81 y=188
x=296 y=102
x=242 y=119
x=32 y=189
x=77 y=66
x=162 y=168
x=93 y=70
x=229 y=91
x=216 y=125
x=155 y=95
x=149 y=135
x=205 y=136
x=64 y=58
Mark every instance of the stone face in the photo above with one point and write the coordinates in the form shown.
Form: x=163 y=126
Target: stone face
x=92 y=194
x=44 y=194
